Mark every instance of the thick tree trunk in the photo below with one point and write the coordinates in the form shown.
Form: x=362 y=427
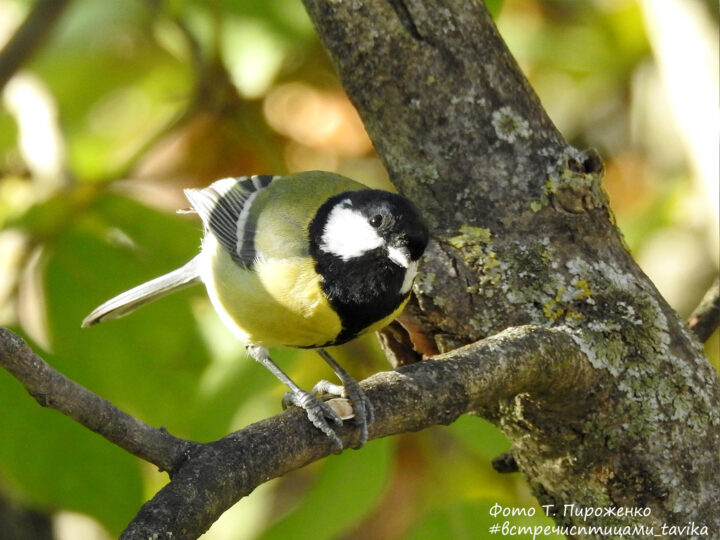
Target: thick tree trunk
x=523 y=234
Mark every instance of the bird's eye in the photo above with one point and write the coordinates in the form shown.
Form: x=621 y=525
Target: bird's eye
x=376 y=220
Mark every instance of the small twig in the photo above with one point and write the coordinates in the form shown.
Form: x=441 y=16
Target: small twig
x=52 y=389
x=210 y=80
x=159 y=9
x=505 y=463
x=706 y=317
x=31 y=34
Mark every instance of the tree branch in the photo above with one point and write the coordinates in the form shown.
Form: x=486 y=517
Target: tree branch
x=543 y=365
x=482 y=378
x=31 y=34
x=52 y=389
x=706 y=317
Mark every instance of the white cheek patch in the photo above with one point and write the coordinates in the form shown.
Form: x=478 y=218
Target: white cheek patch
x=347 y=233
x=409 y=277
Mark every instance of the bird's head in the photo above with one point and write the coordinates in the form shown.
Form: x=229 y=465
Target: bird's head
x=370 y=224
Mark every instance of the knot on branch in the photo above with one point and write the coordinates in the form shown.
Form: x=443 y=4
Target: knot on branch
x=575 y=185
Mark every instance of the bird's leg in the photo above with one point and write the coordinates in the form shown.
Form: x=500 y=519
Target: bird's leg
x=363 y=409
x=317 y=411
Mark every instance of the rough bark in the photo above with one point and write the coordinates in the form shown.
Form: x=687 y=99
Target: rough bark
x=523 y=234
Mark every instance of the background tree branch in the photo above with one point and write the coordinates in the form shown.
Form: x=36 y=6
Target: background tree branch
x=706 y=317
x=53 y=390
x=30 y=36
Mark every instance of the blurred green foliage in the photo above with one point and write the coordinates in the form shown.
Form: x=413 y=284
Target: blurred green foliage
x=130 y=102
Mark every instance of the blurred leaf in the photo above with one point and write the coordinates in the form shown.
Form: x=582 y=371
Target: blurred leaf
x=637 y=227
x=345 y=490
x=494 y=7
x=46 y=218
x=467 y=520
x=286 y=17
x=8 y=134
x=253 y=54
x=151 y=362
x=115 y=86
x=52 y=462
x=465 y=471
x=480 y=436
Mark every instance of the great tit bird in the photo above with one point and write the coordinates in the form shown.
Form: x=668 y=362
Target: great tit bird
x=308 y=260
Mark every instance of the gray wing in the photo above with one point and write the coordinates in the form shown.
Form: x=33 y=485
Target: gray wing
x=224 y=207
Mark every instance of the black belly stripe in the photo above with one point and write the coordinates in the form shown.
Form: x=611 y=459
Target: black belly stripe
x=362 y=291
x=353 y=326
x=365 y=289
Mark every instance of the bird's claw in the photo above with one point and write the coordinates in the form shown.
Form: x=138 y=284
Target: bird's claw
x=318 y=412
x=363 y=410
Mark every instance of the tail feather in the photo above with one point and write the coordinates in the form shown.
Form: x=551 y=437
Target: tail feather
x=143 y=294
